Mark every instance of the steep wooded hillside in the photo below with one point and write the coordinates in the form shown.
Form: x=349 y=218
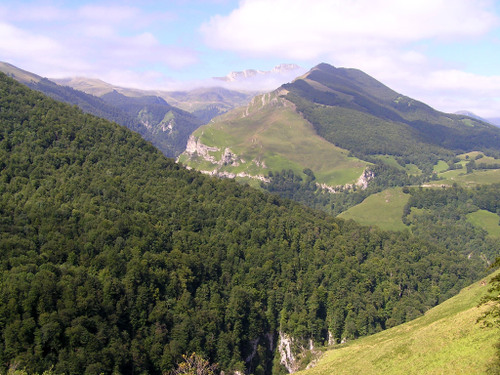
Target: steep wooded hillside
x=114 y=259
x=167 y=127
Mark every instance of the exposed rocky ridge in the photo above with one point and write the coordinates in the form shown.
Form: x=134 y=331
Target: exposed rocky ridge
x=362 y=183
x=195 y=148
x=292 y=350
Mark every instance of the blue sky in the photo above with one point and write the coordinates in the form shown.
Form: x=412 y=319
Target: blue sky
x=443 y=52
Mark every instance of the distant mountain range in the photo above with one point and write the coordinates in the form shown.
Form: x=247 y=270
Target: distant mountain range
x=493 y=121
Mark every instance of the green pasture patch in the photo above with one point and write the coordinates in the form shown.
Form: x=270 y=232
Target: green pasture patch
x=461 y=178
x=441 y=166
x=413 y=170
x=383 y=209
x=389 y=160
x=486 y=220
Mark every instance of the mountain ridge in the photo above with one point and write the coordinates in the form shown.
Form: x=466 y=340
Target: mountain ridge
x=358 y=114
x=151 y=116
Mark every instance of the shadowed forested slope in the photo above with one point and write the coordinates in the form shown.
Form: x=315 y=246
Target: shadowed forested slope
x=115 y=259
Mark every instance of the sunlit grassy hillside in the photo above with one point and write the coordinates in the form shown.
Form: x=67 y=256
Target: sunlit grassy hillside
x=269 y=135
x=446 y=340
x=383 y=209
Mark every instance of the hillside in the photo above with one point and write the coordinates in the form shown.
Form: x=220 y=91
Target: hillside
x=167 y=127
x=117 y=260
x=266 y=135
x=446 y=340
x=354 y=111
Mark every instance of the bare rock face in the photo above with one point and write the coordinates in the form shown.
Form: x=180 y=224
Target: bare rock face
x=195 y=147
x=362 y=183
x=365 y=178
x=287 y=358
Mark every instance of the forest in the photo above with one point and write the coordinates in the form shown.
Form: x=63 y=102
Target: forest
x=115 y=259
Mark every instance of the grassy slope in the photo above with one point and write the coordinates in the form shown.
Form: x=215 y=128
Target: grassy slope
x=460 y=177
x=446 y=340
x=383 y=209
x=19 y=74
x=487 y=221
x=282 y=139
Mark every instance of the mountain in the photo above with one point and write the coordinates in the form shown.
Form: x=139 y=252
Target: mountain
x=447 y=340
x=354 y=111
x=208 y=102
x=266 y=135
x=167 y=127
x=204 y=102
x=494 y=121
x=471 y=114
x=115 y=259
x=20 y=75
x=358 y=119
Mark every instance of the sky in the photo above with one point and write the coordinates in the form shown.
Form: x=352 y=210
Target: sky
x=445 y=53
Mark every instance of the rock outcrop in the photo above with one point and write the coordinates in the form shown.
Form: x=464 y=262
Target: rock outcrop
x=362 y=183
x=195 y=148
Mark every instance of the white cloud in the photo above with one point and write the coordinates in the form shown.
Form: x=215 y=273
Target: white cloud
x=305 y=29
x=15 y=43
x=90 y=40
x=379 y=37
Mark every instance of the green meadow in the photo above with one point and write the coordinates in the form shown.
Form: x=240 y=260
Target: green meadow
x=461 y=178
x=446 y=340
x=487 y=221
x=383 y=209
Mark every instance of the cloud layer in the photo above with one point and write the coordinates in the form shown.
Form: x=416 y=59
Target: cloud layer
x=105 y=41
x=305 y=29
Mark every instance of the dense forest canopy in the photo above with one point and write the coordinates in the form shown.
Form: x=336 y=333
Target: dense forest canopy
x=116 y=259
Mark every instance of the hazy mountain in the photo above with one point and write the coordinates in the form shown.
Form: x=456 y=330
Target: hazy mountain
x=494 y=121
x=167 y=127
x=204 y=102
x=282 y=69
x=208 y=102
x=19 y=75
x=472 y=115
